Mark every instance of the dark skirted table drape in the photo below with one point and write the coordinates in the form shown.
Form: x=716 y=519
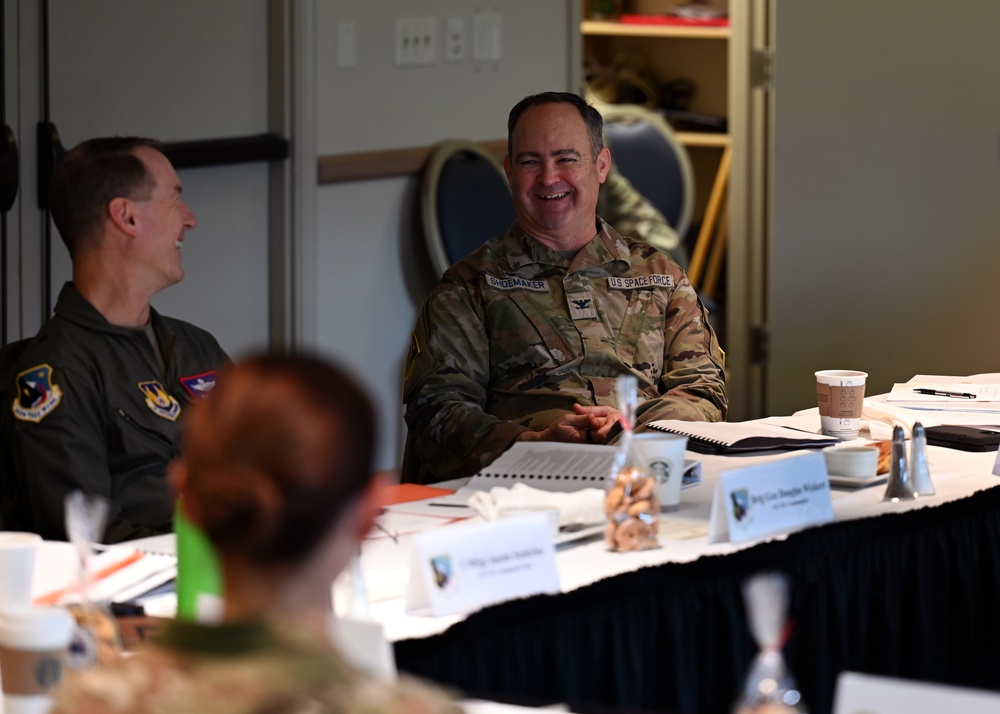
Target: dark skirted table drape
x=913 y=595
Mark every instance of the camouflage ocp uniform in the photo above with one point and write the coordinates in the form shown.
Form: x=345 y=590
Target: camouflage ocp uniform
x=241 y=668
x=515 y=334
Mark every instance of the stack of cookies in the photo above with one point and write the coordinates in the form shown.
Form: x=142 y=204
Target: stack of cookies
x=632 y=510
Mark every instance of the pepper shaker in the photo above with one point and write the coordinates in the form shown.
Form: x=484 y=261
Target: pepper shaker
x=919 y=470
x=899 y=488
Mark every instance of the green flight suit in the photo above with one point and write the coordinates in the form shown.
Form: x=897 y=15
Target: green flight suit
x=91 y=409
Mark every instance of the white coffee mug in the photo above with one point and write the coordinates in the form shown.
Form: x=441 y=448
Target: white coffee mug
x=17 y=567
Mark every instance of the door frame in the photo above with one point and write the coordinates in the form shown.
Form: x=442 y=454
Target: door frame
x=750 y=101
x=292 y=181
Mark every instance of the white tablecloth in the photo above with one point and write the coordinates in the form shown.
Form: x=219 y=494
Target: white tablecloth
x=683 y=537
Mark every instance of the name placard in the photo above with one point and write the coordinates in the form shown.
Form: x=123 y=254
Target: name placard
x=466 y=566
x=887 y=695
x=771 y=497
x=363 y=644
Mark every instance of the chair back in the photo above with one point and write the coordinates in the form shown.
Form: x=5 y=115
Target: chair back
x=10 y=354
x=465 y=200
x=647 y=152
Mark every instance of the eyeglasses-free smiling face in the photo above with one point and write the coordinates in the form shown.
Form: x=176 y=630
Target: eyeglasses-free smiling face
x=554 y=178
x=162 y=219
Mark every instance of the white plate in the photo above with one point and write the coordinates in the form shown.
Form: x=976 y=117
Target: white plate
x=571 y=534
x=852 y=484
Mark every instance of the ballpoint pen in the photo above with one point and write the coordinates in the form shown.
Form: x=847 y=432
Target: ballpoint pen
x=943 y=393
x=380 y=526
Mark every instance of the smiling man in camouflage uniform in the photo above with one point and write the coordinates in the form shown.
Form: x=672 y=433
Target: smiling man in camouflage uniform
x=524 y=338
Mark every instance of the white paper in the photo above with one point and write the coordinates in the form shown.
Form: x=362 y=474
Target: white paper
x=983 y=378
x=165 y=544
x=546 y=465
x=878 y=410
x=397 y=524
x=728 y=434
x=56 y=573
x=566 y=467
x=447 y=507
x=986 y=396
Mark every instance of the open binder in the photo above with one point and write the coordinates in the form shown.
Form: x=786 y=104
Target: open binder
x=551 y=466
x=741 y=437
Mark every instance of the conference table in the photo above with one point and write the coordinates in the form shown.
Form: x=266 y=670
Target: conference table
x=908 y=589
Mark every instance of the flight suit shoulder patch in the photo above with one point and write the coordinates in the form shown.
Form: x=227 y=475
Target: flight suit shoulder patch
x=37 y=394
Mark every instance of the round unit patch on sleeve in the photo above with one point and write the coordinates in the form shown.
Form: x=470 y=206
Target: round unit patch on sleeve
x=37 y=394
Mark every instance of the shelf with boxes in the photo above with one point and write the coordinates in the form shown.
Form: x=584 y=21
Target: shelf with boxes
x=679 y=68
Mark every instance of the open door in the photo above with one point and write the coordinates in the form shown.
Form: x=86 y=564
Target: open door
x=9 y=178
x=195 y=75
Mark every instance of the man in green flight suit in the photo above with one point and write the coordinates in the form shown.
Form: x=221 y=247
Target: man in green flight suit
x=96 y=399
x=524 y=338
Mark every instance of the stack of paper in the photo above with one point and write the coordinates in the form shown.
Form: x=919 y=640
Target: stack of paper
x=409 y=508
x=117 y=574
x=951 y=396
x=949 y=400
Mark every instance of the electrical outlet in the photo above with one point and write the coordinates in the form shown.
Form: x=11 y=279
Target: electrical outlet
x=454 y=40
x=415 y=40
x=487 y=38
x=347 y=54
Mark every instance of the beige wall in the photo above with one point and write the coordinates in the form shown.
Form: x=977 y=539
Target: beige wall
x=370 y=274
x=886 y=204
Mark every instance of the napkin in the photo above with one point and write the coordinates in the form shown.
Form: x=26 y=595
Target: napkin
x=575 y=507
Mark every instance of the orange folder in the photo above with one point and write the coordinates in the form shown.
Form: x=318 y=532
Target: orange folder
x=406 y=492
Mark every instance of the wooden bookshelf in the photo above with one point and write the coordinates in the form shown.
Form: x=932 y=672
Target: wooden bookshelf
x=620 y=29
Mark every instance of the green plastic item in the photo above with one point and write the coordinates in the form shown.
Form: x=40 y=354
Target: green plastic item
x=199 y=575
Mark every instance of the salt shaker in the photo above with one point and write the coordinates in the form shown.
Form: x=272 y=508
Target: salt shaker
x=899 y=488
x=920 y=473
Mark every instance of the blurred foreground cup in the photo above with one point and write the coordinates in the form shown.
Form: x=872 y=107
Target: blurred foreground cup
x=17 y=566
x=33 y=644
